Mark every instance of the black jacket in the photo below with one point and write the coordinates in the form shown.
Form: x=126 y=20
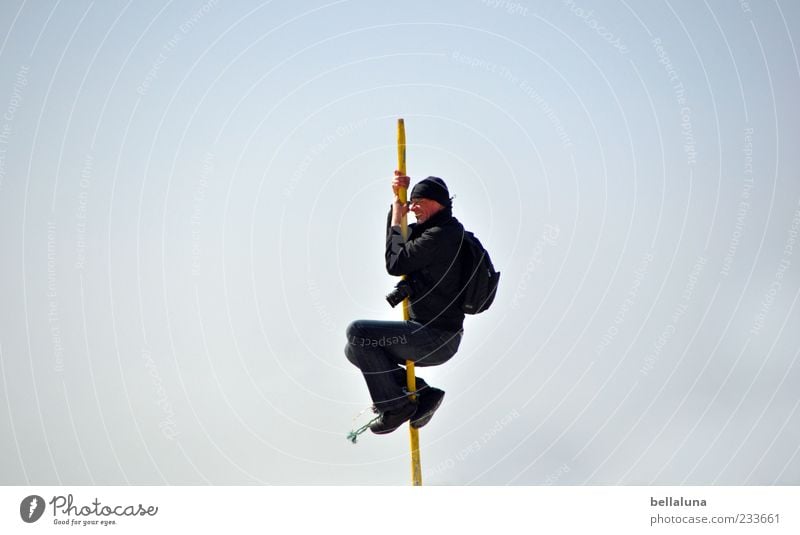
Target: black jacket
x=430 y=259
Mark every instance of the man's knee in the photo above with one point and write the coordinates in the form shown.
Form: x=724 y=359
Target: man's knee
x=350 y=353
x=354 y=333
x=355 y=330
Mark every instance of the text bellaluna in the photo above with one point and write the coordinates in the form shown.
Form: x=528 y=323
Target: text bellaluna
x=680 y=501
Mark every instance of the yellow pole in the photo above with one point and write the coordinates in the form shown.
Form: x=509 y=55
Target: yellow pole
x=411 y=380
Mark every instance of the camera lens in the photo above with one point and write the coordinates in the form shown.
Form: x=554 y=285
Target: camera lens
x=401 y=291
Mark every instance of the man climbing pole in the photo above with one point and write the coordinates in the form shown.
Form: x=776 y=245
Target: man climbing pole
x=431 y=262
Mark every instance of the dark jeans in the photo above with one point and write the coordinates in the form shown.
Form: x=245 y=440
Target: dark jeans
x=380 y=349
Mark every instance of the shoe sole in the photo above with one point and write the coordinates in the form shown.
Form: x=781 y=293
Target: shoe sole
x=425 y=418
x=390 y=430
x=386 y=431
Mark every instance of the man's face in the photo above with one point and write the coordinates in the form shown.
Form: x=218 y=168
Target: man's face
x=424 y=208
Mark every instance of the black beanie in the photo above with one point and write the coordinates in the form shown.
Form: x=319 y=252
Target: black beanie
x=432 y=188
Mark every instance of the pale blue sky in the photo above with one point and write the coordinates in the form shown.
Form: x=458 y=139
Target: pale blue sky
x=192 y=201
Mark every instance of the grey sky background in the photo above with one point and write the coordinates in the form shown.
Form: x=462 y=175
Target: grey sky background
x=192 y=208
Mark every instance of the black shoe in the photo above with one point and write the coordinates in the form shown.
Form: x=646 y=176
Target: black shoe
x=428 y=401
x=393 y=418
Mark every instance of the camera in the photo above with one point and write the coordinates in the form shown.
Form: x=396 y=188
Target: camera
x=400 y=292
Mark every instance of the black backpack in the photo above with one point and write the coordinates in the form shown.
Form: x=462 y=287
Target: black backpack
x=479 y=279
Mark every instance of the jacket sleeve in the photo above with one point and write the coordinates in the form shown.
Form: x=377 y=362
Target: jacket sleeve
x=403 y=258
